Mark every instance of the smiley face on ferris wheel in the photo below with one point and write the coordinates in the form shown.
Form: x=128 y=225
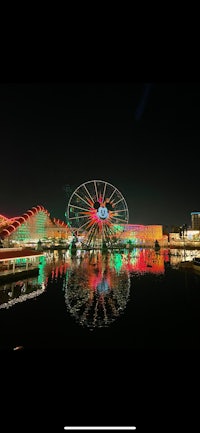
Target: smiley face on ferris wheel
x=103 y=209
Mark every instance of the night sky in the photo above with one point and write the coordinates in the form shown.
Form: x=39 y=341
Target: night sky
x=141 y=137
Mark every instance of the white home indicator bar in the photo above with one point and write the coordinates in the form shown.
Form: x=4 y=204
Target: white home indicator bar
x=100 y=428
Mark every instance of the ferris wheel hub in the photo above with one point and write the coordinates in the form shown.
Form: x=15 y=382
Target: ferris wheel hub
x=103 y=212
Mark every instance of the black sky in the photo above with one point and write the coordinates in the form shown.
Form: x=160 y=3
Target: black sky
x=141 y=137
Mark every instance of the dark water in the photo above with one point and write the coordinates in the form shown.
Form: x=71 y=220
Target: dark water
x=137 y=308
x=136 y=300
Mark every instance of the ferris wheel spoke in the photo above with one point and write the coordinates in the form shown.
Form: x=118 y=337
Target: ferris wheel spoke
x=92 y=229
x=104 y=191
x=107 y=225
x=78 y=207
x=95 y=187
x=110 y=233
x=119 y=219
x=121 y=210
x=114 y=203
x=91 y=237
x=95 y=229
x=117 y=215
x=112 y=194
x=110 y=230
x=74 y=218
x=86 y=214
x=103 y=232
x=85 y=224
x=88 y=194
x=106 y=233
x=81 y=198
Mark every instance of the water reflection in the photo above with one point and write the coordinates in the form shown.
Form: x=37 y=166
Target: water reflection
x=144 y=260
x=96 y=286
x=96 y=293
x=135 y=299
x=24 y=289
x=20 y=291
x=178 y=255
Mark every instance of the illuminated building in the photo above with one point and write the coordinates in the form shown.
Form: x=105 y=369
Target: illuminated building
x=31 y=227
x=195 y=217
x=192 y=238
x=139 y=234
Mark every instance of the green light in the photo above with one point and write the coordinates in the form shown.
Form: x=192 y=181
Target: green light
x=41 y=276
x=117 y=262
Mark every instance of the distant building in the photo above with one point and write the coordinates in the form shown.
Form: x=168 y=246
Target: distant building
x=190 y=236
x=140 y=234
x=195 y=218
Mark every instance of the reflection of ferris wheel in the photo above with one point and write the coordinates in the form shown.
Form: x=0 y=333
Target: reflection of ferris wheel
x=94 y=210
x=96 y=294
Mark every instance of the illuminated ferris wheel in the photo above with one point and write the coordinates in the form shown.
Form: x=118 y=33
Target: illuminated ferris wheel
x=94 y=211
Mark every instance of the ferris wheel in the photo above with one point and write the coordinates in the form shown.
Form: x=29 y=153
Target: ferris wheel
x=95 y=210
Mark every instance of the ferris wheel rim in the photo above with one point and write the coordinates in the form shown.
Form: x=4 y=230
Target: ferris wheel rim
x=102 y=181
x=95 y=180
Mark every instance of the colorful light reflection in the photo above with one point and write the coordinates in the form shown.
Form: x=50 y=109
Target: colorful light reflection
x=97 y=286
x=96 y=294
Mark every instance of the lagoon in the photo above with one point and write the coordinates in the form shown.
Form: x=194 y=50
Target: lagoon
x=135 y=300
